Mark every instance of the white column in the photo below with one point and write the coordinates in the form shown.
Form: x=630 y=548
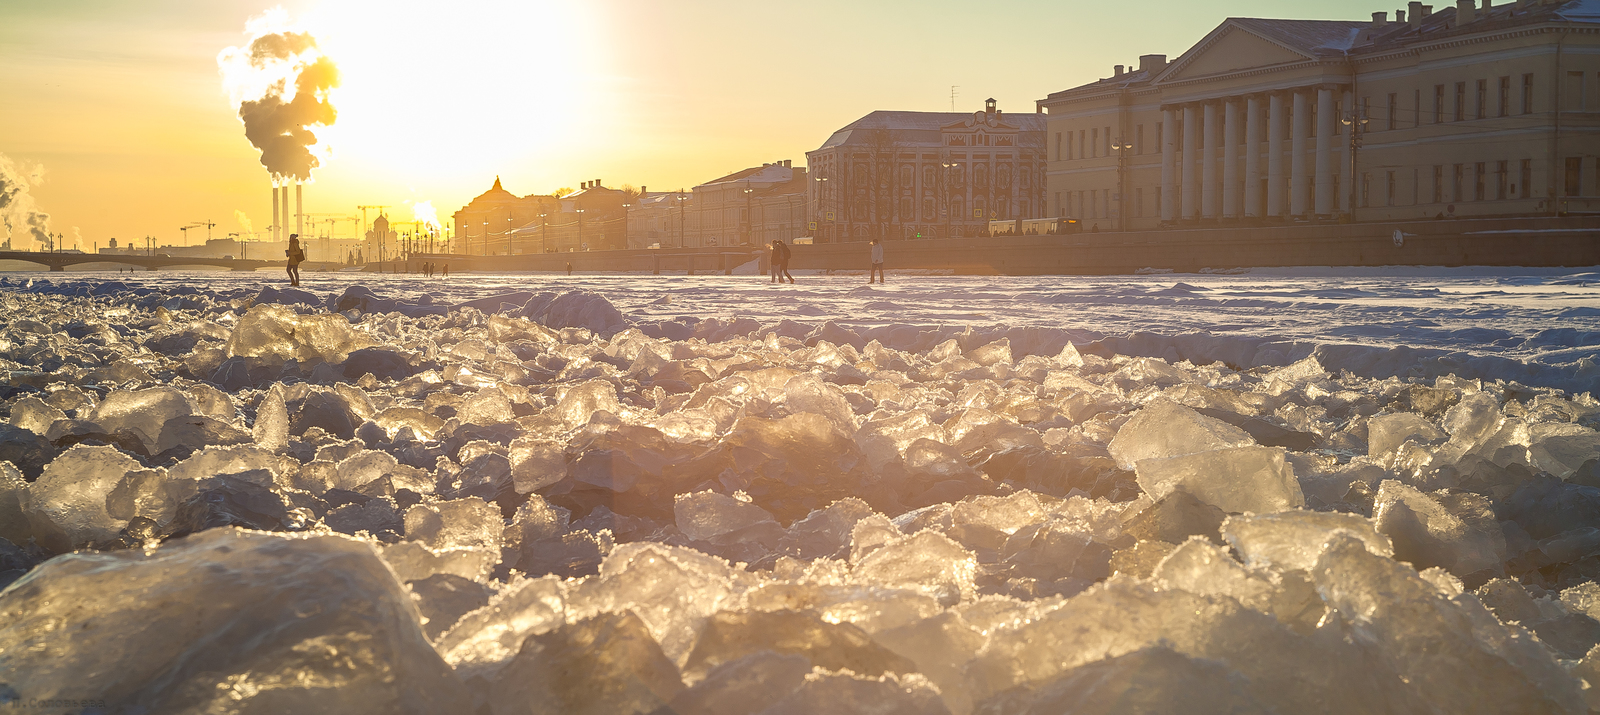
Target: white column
x=1324 y=205
x=1252 y=157
x=1275 y=123
x=1191 y=138
x=1230 y=158
x=1297 y=154
x=1169 y=163
x=1208 y=163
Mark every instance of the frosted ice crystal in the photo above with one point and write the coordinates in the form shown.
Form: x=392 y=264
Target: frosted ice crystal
x=32 y=414
x=707 y=515
x=1385 y=433
x=67 y=504
x=1454 y=531
x=1165 y=429
x=142 y=413
x=925 y=561
x=460 y=523
x=1292 y=540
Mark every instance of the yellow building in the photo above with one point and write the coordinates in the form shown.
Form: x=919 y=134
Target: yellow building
x=1472 y=111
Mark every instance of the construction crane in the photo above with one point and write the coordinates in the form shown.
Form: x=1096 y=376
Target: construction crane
x=331 y=219
x=207 y=225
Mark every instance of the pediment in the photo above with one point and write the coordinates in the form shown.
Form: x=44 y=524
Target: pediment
x=1232 y=49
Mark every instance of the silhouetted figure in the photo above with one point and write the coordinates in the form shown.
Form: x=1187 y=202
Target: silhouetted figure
x=1094 y=229
x=296 y=257
x=780 y=261
x=877 y=261
x=569 y=268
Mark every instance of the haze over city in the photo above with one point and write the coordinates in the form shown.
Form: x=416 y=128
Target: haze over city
x=120 y=113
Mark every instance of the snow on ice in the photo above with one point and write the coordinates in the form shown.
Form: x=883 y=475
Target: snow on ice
x=1242 y=494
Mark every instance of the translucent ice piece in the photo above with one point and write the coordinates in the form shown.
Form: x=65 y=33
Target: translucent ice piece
x=1386 y=432
x=1292 y=540
x=1241 y=479
x=1164 y=429
x=703 y=516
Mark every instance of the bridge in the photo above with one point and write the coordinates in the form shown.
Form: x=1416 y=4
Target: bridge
x=60 y=261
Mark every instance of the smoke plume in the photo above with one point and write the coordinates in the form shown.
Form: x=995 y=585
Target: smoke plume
x=18 y=212
x=280 y=82
x=424 y=212
x=244 y=221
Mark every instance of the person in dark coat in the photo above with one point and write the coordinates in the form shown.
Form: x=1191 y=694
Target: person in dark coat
x=780 y=261
x=877 y=261
x=296 y=256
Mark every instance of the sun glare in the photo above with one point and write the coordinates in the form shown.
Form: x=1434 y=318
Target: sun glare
x=454 y=91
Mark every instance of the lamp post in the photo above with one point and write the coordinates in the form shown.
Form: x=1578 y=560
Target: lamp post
x=1357 y=122
x=822 y=202
x=944 y=191
x=544 y=244
x=680 y=218
x=1122 y=147
x=509 y=220
x=625 y=223
x=580 y=228
x=749 y=216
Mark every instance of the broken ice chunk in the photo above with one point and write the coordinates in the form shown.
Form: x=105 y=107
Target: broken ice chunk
x=703 y=516
x=1241 y=479
x=1385 y=433
x=468 y=523
x=1151 y=680
x=1292 y=540
x=483 y=641
x=536 y=463
x=928 y=561
x=1560 y=448
x=747 y=685
x=271 y=429
x=604 y=665
x=581 y=403
x=32 y=414
x=1456 y=531
x=67 y=503
x=412 y=561
x=142 y=413
x=1164 y=429
x=226 y=621
x=731 y=635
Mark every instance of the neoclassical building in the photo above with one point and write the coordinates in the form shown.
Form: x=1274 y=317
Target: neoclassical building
x=927 y=174
x=1475 y=110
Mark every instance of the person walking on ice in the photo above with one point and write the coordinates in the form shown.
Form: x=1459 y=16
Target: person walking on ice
x=296 y=257
x=780 y=261
x=877 y=261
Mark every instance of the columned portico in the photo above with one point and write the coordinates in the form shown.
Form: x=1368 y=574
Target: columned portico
x=1252 y=157
x=1324 y=183
x=1169 y=163
x=1230 y=159
x=1275 y=178
x=1300 y=128
x=1208 y=163
x=1191 y=140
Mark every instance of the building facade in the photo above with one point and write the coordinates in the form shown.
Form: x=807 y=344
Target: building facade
x=484 y=226
x=593 y=218
x=749 y=207
x=1472 y=111
x=659 y=219
x=927 y=174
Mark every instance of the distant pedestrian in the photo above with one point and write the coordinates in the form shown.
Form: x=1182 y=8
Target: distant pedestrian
x=877 y=261
x=569 y=268
x=780 y=261
x=296 y=257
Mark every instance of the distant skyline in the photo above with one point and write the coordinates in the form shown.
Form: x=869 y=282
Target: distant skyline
x=123 y=106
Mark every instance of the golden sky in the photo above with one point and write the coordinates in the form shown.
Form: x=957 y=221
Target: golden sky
x=123 y=105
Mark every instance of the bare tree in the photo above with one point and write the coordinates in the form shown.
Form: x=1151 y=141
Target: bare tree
x=883 y=177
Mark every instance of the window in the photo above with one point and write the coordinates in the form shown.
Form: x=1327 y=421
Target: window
x=1500 y=177
x=1159 y=135
x=1094 y=142
x=1455 y=189
x=1416 y=106
x=1138 y=203
x=1504 y=107
x=1366 y=180
x=1138 y=139
x=1527 y=93
x=1393 y=100
x=1058 y=146
x=1572 y=93
x=1108 y=141
x=1479 y=176
x=1574 y=181
x=1438 y=103
x=1083 y=152
x=1438 y=184
x=1483 y=99
x=1389 y=191
x=1527 y=179
x=1461 y=101
x=1059 y=212
x=1070 y=153
x=1158 y=203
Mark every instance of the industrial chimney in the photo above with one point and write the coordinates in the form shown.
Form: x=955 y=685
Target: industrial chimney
x=299 y=209
x=274 y=223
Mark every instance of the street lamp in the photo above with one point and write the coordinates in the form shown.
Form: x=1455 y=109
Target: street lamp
x=580 y=227
x=822 y=200
x=1122 y=147
x=944 y=180
x=680 y=218
x=544 y=244
x=1358 y=126
x=749 y=217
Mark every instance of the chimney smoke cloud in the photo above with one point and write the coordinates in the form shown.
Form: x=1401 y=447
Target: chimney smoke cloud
x=18 y=212
x=280 y=81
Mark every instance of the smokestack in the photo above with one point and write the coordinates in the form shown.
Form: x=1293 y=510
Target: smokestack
x=1415 y=13
x=1116 y=70
x=1379 y=19
x=1152 y=63
x=275 y=227
x=1466 y=11
x=299 y=210
x=1400 y=16
x=282 y=219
